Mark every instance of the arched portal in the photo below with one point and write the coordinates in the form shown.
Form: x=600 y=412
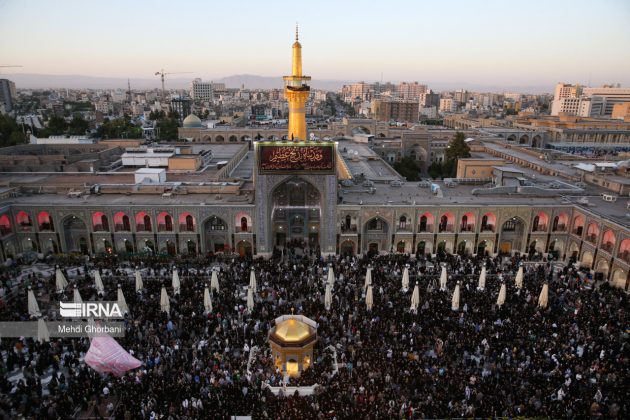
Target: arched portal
x=601 y=269
x=296 y=212
x=587 y=259
x=511 y=235
x=216 y=234
x=75 y=233
x=244 y=248
x=347 y=248
x=619 y=278
x=537 y=141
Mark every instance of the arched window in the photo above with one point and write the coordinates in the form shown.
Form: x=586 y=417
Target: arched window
x=165 y=222
x=402 y=223
x=244 y=227
x=23 y=219
x=592 y=232
x=186 y=222
x=143 y=222
x=578 y=225
x=5 y=224
x=45 y=221
x=121 y=222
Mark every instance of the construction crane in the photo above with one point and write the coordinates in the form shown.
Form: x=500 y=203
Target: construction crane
x=161 y=73
x=10 y=66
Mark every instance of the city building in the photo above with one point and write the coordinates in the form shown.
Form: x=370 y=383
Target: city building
x=201 y=91
x=411 y=91
x=395 y=110
x=7 y=94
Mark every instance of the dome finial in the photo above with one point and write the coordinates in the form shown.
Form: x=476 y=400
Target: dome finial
x=296 y=31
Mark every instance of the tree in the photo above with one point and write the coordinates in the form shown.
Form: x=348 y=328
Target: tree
x=457 y=148
x=78 y=126
x=409 y=168
x=56 y=126
x=156 y=115
x=435 y=170
x=10 y=132
x=168 y=129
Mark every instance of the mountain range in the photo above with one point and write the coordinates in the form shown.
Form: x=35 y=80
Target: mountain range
x=44 y=81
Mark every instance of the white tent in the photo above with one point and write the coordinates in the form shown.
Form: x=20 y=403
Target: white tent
x=331 y=275
x=207 y=300
x=455 y=301
x=252 y=280
x=98 y=282
x=368 y=277
x=165 y=305
x=543 y=299
x=175 y=282
x=328 y=296
x=42 y=331
x=33 y=307
x=405 y=279
x=369 y=299
x=443 y=279
x=60 y=279
x=501 y=298
x=214 y=281
x=122 y=303
x=519 y=278
x=482 y=279
x=250 y=300
x=77 y=296
x=139 y=284
x=415 y=298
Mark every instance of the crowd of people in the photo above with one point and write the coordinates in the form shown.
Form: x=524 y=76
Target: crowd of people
x=568 y=360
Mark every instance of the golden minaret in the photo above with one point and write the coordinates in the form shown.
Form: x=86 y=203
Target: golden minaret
x=296 y=91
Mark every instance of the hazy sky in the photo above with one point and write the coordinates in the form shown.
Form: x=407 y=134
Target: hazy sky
x=485 y=42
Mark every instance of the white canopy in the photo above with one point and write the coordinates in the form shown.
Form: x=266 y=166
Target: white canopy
x=328 y=296
x=165 y=305
x=176 y=283
x=250 y=300
x=139 y=284
x=77 y=296
x=33 y=307
x=482 y=279
x=42 y=331
x=369 y=299
x=455 y=301
x=443 y=279
x=214 y=281
x=331 y=275
x=501 y=298
x=405 y=279
x=519 y=278
x=122 y=303
x=252 y=280
x=60 y=280
x=207 y=300
x=98 y=282
x=368 y=277
x=415 y=298
x=543 y=299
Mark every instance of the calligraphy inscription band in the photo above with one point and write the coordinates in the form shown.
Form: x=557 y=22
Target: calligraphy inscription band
x=292 y=158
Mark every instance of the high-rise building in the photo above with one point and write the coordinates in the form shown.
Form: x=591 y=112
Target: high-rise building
x=565 y=90
x=609 y=96
x=448 y=105
x=297 y=91
x=411 y=91
x=460 y=96
x=7 y=94
x=429 y=99
x=201 y=91
x=388 y=110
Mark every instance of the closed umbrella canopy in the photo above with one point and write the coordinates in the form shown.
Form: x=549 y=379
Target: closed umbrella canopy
x=33 y=307
x=328 y=296
x=443 y=279
x=415 y=298
x=369 y=299
x=139 y=284
x=60 y=280
x=368 y=277
x=455 y=301
x=42 y=331
x=252 y=280
x=207 y=300
x=405 y=278
x=331 y=275
x=176 y=284
x=165 y=306
x=543 y=299
x=214 y=282
x=501 y=298
x=250 y=300
x=98 y=282
x=519 y=278
x=77 y=296
x=122 y=303
x=482 y=279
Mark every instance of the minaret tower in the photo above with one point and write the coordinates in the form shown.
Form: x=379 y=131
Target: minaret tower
x=296 y=91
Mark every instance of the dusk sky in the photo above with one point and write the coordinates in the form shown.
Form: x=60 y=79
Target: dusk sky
x=484 y=42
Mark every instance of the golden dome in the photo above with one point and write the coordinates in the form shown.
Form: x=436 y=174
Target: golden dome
x=292 y=330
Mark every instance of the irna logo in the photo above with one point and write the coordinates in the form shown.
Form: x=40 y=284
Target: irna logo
x=90 y=310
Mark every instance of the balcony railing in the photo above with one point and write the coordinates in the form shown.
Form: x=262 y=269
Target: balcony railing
x=143 y=228
x=239 y=229
x=560 y=228
x=625 y=255
x=100 y=228
x=446 y=228
x=121 y=228
x=608 y=246
x=165 y=228
x=487 y=228
x=46 y=226
x=186 y=228
x=467 y=228
x=540 y=228
x=426 y=229
x=217 y=227
x=405 y=228
x=4 y=230
x=578 y=231
x=591 y=238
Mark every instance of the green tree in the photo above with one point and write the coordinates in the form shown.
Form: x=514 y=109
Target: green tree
x=156 y=115
x=409 y=168
x=56 y=126
x=10 y=132
x=78 y=126
x=168 y=129
x=435 y=170
x=457 y=149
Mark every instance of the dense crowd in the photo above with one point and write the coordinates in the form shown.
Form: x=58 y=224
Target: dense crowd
x=569 y=360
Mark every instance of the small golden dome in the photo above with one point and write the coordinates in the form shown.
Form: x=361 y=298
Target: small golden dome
x=297 y=44
x=292 y=330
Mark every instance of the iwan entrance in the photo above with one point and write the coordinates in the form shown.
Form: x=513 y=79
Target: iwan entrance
x=296 y=214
